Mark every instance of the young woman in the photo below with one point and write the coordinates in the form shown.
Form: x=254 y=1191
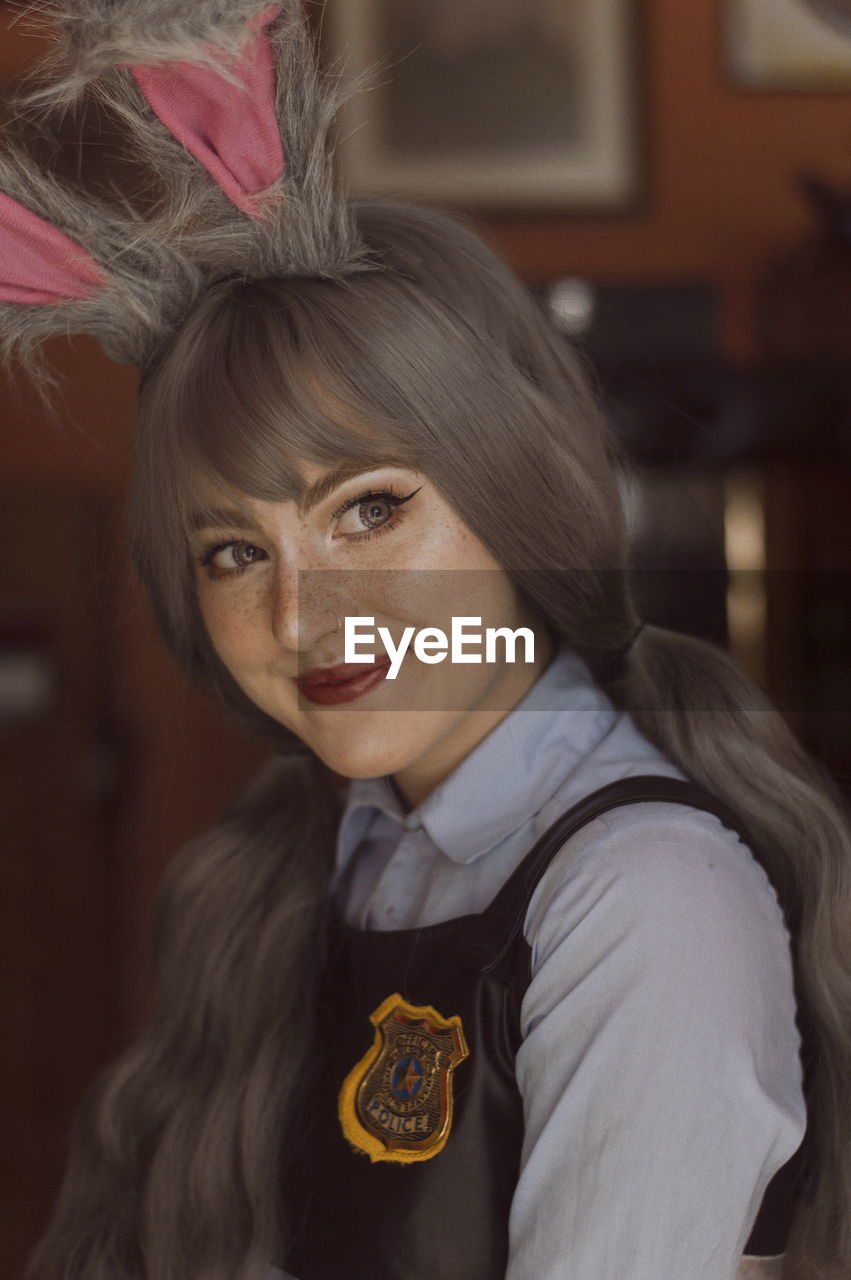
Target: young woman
x=559 y=982
x=657 y=1060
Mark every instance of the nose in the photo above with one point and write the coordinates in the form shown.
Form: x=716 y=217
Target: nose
x=305 y=609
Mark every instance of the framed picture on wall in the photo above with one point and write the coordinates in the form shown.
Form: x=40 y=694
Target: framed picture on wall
x=790 y=44
x=490 y=103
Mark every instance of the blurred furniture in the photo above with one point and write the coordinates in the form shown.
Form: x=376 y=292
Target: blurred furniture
x=739 y=505
x=58 y=787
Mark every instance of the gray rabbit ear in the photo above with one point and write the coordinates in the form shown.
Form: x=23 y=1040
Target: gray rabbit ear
x=136 y=58
x=69 y=264
x=209 y=80
x=169 y=76
x=225 y=115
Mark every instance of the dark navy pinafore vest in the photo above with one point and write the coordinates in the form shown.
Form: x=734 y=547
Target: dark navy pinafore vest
x=444 y=1217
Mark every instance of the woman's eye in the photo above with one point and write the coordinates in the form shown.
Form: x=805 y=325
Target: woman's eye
x=370 y=514
x=232 y=557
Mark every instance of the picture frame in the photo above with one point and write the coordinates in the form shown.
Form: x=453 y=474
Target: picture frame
x=791 y=45
x=491 y=104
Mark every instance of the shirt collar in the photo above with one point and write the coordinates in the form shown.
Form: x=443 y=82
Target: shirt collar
x=505 y=779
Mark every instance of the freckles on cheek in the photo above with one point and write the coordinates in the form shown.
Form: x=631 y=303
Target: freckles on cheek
x=449 y=544
x=228 y=626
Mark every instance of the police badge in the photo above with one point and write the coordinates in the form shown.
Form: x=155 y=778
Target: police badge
x=396 y=1103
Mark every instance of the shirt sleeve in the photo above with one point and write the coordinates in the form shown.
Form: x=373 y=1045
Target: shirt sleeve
x=659 y=1067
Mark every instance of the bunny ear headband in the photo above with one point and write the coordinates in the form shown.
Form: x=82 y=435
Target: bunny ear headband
x=223 y=103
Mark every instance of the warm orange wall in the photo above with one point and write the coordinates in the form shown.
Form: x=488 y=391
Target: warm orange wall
x=720 y=201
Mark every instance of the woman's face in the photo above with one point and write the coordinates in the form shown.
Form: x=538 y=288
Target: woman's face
x=276 y=581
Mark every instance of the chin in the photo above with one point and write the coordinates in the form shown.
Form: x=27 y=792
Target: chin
x=370 y=760
x=364 y=750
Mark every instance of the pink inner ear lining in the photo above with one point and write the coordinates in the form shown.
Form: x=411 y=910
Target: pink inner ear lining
x=232 y=130
x=39 y=264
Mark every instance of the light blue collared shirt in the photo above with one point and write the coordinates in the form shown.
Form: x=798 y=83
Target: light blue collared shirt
x=659 y=1068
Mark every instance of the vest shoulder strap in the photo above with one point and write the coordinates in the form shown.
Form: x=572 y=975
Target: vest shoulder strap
x=501 y=923
x=501 y=927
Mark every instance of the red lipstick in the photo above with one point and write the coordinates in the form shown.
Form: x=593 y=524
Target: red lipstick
x=328 y=686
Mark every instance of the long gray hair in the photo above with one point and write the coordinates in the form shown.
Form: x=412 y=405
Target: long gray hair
x=437 y=357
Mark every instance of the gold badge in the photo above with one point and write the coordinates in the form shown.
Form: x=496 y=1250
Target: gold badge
x=396 y=1104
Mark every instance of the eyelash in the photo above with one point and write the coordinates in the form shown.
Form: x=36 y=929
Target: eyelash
x=395 y=499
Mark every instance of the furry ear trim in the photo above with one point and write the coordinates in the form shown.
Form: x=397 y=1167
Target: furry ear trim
x=98 y=35
x=108 y=272
x=160 y=247
x=229 y=124
x=38 y=263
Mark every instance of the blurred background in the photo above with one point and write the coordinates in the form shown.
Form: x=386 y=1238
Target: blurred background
x=674 y=181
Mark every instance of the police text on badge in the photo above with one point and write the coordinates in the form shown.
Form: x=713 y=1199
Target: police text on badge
x=431 y=645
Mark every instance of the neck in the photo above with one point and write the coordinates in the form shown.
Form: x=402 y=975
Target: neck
x=418 y=779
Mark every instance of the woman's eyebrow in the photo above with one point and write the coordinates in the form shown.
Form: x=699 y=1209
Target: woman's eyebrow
x=326 y=484
x=312 y=495
x=216 y=517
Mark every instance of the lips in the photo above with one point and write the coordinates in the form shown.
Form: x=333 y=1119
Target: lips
x=341 y=672
x=342 y=683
